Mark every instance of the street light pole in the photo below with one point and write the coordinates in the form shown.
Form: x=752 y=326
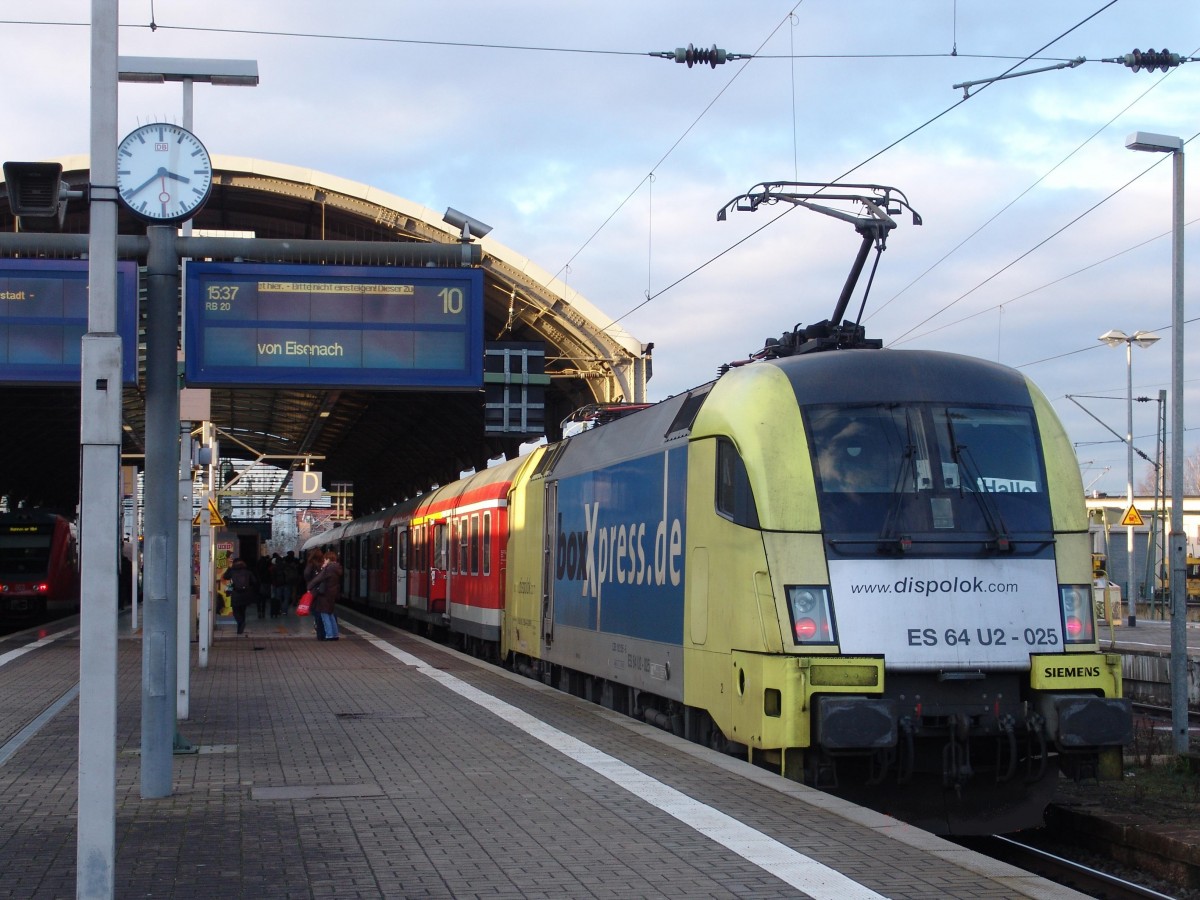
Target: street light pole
x=1131 y=596
x=1162 y=143
x=1115 y=338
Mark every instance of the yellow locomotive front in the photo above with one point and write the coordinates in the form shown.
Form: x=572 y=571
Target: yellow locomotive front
x=888 y=586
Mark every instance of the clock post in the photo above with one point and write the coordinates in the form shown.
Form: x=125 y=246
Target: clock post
x=164 y=177
x=159 y=676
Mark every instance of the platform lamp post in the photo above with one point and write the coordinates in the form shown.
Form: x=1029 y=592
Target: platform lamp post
x=1115 y=338
x=1163 y=143
x=163 y=622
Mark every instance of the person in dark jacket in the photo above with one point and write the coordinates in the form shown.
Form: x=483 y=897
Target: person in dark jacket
x=312 y=566
x=294 y=573
x=326 y=587
x=243 y=588
x=262 y=572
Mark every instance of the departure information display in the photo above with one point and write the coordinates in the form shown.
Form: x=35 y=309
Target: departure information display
x=44 y=316
x=333 y=326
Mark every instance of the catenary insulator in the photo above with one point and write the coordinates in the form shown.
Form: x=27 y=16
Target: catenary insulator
x=1152 y=59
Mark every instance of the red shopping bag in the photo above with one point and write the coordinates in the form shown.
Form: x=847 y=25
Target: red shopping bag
x=304 y=604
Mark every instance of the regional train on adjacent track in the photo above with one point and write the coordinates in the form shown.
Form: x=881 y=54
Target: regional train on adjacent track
x=39 y=564
x=866 y=569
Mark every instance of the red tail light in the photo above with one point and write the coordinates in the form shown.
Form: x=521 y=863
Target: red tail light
x=806 y=629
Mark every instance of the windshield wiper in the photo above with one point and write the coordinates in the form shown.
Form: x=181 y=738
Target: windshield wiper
x=1001 y=540
x=890 y=539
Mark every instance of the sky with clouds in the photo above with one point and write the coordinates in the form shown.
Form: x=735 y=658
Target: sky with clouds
x=551 y=122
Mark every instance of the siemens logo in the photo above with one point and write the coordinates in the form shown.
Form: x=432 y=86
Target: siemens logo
x=1071 y=671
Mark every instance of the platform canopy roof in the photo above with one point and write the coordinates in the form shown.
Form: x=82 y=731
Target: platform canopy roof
x=388 y=445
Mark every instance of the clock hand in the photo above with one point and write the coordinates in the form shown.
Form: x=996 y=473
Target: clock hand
x=177 y=177
x=159 y=174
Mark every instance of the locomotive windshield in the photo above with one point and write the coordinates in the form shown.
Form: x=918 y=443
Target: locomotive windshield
x=928 y=471
x=24 y=553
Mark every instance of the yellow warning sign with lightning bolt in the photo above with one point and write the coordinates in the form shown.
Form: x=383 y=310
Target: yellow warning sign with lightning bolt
x=1132 y=517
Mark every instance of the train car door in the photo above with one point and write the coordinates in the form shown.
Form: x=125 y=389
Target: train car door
x=400 y=585
x=438 y=569
x=550 y=518
x=359 y=579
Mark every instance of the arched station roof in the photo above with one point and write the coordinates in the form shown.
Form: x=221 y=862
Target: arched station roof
x=388 y=444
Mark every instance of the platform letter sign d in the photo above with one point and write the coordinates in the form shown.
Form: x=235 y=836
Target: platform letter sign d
x=306 y=485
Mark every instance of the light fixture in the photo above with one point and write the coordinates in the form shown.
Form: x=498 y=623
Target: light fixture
x=157 y=69
x=471 y=227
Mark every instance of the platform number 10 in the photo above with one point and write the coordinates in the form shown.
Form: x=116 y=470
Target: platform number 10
x=452 y=300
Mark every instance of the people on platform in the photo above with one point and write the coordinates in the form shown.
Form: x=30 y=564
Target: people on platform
x=262 y=571
x=294 y=571
x=278 y=585
x=326 y=588
x=243 y=588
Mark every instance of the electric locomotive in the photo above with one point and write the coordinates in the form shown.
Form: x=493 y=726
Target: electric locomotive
x=867 y=569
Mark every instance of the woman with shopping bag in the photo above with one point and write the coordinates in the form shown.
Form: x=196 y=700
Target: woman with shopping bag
x=326 y=589
x=312 y=565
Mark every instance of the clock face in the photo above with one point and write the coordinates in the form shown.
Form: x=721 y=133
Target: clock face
x=164 y=174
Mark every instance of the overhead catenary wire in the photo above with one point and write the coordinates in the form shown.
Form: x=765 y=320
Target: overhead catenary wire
x=1029 y=293
x=1005 y=208
x=154 y=25
x=282 y=33
x=1039 y=244
x=845 y=174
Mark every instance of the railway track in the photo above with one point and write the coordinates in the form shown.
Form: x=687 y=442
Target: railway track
x=1154 y=711
x=1069 y=873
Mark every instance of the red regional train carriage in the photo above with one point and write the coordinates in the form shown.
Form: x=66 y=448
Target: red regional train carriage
x=39 y=564
x=438 y=558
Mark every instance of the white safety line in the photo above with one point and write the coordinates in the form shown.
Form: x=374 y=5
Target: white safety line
x=8 y=657
x=801 y=872
x=21 y=738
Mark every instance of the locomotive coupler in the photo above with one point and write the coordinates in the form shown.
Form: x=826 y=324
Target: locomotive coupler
x=956 y=755
x=1006 y=740
x=907 y=748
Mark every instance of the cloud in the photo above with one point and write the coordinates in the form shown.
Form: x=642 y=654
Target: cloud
x=548 y=146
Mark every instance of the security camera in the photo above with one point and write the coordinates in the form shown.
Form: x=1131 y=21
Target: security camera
x=471 y=228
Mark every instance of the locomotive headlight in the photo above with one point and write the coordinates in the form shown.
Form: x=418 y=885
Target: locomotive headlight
x=811 y=613
x=804 y=600
x=1075 y=601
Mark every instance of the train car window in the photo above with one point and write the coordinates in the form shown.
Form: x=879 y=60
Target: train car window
x=688 y=411
x=475 y=544
x=400 y=539
x=24 y=553
x=441 y=546
x=911 y=469
x=487 y=543
x=550 y=458
x=869 y=450
x=735 y=499
x=989 y=450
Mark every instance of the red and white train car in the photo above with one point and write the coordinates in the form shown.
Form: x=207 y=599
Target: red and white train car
x=39 y=563
x=457 y=555
x=439 y=559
